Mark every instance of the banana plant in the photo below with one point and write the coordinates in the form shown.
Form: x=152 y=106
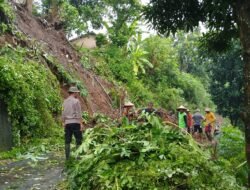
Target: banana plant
x=137 y=55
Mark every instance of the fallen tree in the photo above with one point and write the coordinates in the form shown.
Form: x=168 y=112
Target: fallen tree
x=145 y=155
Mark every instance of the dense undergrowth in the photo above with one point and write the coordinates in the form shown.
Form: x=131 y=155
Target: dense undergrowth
x=232 y=149
x=37 y=149
x=6 y=16
x=145 y=155
x=31 y=93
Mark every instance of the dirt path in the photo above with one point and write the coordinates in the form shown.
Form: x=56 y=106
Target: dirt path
x=29 y=175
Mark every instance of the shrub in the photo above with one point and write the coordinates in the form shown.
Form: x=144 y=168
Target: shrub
x=30 y=91
x=145 y=155
x=232 y=149
x=6 y=16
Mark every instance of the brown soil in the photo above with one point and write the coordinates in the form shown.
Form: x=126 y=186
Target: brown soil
x=55 y=43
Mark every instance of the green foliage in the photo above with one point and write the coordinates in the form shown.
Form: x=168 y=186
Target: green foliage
x=169 y=16
x=123 y=16
x=37 y=148
x=145 y=155
x=194 y=91
x=6 y=16
x=90 y=11
x=192 y=57
x=120 y=36
x=159 y=78
x=118 y=64
x=30 y=91
x=226 y=87
x=65 y=76
x=79 y=16
x=232 y=149
x=85 y=117
x=139 y=93
x=70 y=16
x=166 y=78
x=114 y=94
x=100 y=119
x=137 y=56
x=101 y=40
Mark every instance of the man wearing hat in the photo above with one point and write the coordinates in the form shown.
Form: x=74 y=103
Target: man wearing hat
x=72 y=119
x=198 y=118
x=182 y=117
x=209 y=123
x=127 y=110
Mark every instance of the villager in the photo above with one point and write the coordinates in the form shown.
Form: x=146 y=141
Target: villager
x=197 y=120
x=217 y=134
x=182 y=117
x=209 y=123
x=150 y=109
x=128 y=110
x=189 y=121
x=72 y=119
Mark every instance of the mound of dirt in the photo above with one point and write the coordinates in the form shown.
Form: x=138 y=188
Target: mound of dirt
x=55 y=43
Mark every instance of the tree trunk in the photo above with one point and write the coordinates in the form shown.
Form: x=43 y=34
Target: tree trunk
x=53 y=12
x=244 y=27
x=28 y=5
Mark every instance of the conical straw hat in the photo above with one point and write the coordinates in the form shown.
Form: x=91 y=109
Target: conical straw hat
x=181 y=108
x=207 y=109
x=128 y=104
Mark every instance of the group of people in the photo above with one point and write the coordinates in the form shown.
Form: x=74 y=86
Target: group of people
x=196 y=124
x=73 y=123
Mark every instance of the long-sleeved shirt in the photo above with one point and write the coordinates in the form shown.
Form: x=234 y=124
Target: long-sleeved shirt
x=210 y=119
x=71 y=111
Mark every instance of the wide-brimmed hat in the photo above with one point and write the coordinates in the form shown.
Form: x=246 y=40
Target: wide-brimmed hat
x=197 y=110
x=207 y=110
x=128 y=104
x=73 y=89
x=181 y=108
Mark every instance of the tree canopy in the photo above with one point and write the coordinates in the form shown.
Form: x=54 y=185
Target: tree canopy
x=225 y=19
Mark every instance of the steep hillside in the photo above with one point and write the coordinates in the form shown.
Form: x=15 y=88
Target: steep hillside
x=54 y=43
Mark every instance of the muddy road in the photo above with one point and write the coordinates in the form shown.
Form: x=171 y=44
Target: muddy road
x=42 y=174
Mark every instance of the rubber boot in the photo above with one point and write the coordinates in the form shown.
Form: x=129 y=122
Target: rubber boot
x=67 y=151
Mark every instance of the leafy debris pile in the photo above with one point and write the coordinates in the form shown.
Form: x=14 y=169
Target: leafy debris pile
x=144 y=155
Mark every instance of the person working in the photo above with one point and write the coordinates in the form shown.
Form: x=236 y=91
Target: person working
x=150 y=109
x=189 y=121
x=72 y=119
x=182 y=117
x=209 y=123
x=128 y=110
x=198 y=118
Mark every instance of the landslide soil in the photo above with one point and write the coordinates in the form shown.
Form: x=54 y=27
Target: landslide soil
x=55 y=43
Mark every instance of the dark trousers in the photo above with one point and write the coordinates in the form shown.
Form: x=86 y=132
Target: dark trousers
x=73 y=129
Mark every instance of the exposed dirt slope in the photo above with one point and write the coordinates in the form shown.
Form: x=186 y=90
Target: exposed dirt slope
x=55 y=43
